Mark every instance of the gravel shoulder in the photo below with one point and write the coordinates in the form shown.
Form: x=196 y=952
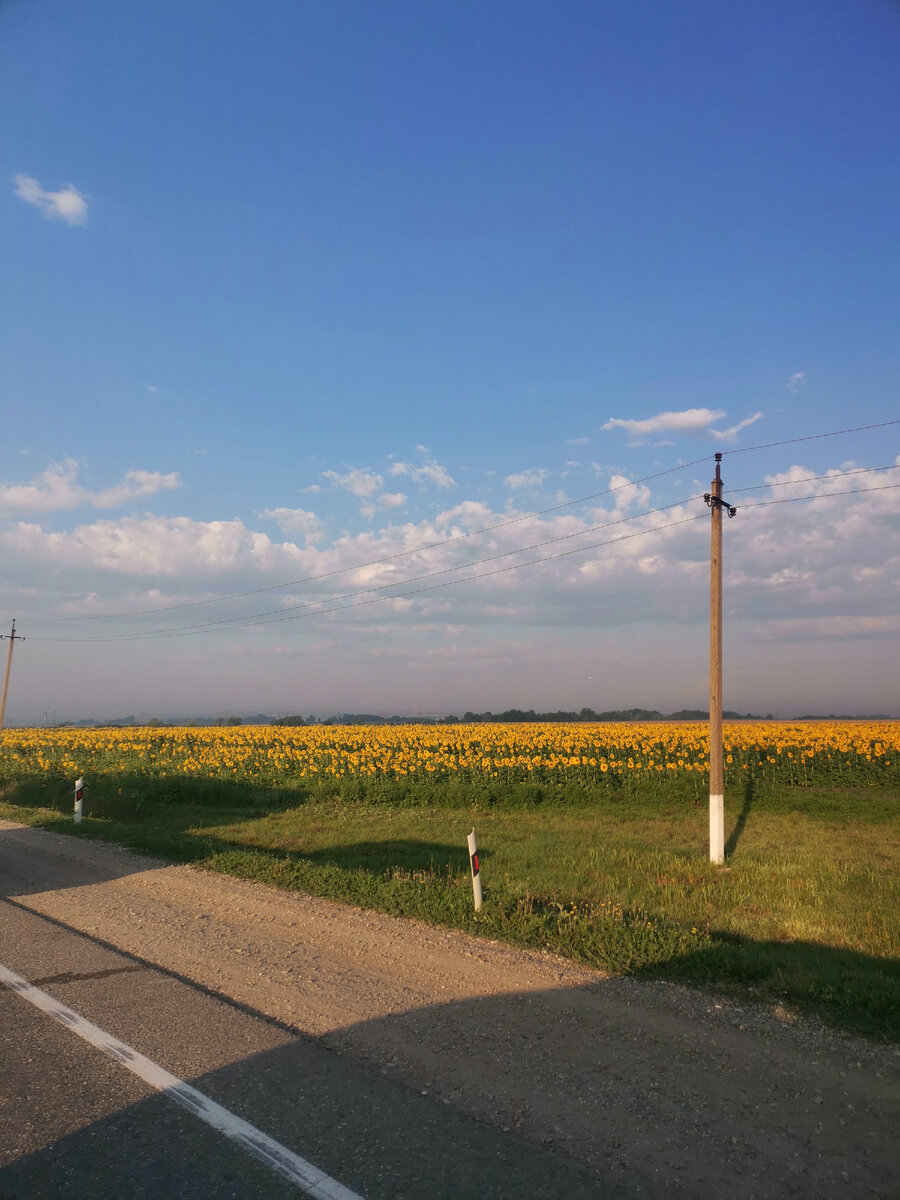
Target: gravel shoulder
x=658 y=1089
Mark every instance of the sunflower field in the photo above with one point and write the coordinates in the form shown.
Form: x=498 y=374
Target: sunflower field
x=480 y=761
x=592 y=837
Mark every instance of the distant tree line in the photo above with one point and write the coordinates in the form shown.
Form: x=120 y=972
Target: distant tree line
x=510 y=716
x=517 y=715
x=588 y=714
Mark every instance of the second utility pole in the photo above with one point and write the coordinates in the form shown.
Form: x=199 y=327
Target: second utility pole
x=716 y=751
x=12 y=639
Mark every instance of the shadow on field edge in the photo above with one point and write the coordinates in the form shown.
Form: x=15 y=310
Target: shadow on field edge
x=815 y=980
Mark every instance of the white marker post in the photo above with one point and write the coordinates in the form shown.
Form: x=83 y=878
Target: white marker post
x=476 y=870
x=79 y=798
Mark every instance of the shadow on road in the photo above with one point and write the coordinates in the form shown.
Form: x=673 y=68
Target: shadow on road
x=68 y=864
x=603 y=1091
x=820 y=980
x=619 y=1088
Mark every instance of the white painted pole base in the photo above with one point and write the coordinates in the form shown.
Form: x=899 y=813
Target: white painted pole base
x=476 y=870
x=717 y=829
x=79 y=799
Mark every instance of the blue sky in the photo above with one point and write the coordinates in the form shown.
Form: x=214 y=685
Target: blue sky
x=289 y=287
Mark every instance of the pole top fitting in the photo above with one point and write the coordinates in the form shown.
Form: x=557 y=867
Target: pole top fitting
x=718 y=456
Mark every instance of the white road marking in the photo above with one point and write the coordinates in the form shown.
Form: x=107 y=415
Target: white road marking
x=308 y=1178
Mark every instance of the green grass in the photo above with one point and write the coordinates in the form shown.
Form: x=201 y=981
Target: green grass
x=805 y=915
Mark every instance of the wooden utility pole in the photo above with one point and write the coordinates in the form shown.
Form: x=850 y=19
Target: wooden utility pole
x=11 y=638
x=716 y=752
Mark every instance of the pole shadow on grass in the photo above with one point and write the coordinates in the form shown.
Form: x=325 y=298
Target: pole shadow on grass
x=847 y=989
x=740 y=823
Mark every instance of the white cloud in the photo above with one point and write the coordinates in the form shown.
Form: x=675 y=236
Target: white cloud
x=429 y=472
x=471 y=513
x=627 y=494
x=67 y=205
x=52 y=489
x=796 y=382
x=168 y=547
x=813 y=570
x=728 y=435
x=825 y=558
x=357 y=482
x=691 y=420
x=295 y=521
x=134 y=484
x=581 y=441
x=526 y=479
x=392 y=500
x=56 y=489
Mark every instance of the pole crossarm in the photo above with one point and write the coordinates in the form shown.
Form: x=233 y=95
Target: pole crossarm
x=717 y=502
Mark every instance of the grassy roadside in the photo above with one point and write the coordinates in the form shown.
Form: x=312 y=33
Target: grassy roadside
x=806 y=915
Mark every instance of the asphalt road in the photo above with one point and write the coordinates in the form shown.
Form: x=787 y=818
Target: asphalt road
x=401 y=1060
x=77 y=1124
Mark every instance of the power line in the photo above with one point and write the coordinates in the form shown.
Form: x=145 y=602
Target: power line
x=758 y=487
x=887 y=487
x=462 y=536
x=234 y=621
x=561 y=554
x=273 y=615
x=297 y=616
x=503 y=570
x=376 y=562
x=812 y=437
x=259 y=618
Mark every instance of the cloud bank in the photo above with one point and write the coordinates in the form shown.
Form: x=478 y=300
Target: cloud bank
x=478 y=605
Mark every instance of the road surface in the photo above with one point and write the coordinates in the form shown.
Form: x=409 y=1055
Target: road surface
x=396 y=1059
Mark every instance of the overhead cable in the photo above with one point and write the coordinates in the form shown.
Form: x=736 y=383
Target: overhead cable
x=226 y=623
x=296 y=616
x=886 y=487
x=812 y=437
x=377 y=562
x=460 y=536
x=758 y=487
